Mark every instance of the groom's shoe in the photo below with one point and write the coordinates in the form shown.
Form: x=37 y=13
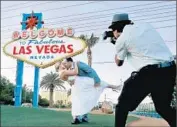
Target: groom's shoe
x=76 y=121
x=85 y=119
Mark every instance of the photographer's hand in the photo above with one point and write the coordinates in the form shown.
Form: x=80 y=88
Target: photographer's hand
x=118 y=62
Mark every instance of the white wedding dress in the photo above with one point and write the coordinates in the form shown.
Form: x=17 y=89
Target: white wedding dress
x=84 y=96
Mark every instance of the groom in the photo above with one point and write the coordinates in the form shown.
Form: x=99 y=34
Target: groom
x=83 y=70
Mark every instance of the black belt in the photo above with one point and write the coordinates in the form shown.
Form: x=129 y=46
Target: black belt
x=161 y=65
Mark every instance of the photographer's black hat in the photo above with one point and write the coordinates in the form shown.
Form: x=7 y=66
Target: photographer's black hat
x=119 y=18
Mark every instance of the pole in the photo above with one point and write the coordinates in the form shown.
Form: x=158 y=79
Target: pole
x=19 y=75
x=36 y=69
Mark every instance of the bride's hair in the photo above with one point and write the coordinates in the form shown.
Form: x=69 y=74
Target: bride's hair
x=57 y=65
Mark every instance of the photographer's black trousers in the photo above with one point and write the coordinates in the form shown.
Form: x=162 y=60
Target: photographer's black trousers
x=159 y=82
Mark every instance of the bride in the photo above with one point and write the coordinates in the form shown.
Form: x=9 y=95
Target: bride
x=84 y=94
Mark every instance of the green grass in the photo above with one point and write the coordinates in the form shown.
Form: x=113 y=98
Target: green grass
x=33 y=117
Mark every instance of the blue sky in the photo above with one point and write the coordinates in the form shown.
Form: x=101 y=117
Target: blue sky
x=159 y=15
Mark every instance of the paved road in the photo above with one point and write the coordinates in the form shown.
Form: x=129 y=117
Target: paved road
x=148 y=121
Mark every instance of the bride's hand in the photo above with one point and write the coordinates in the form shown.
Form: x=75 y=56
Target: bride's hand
x=65 y=78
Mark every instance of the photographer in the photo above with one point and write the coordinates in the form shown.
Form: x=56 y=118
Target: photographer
x=155 y=68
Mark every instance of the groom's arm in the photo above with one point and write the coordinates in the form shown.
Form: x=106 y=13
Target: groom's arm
x=89 y=71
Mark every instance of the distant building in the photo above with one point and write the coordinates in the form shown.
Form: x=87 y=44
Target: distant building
x=146 y=107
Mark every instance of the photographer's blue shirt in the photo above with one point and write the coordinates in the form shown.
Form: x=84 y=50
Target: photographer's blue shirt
x=142 y=45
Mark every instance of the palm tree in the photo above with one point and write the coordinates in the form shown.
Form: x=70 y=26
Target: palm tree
x=90 y=43
x=51 y=81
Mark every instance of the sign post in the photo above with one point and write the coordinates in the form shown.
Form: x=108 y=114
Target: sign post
x=19 y=75
x=36 y=87
x=36 y=69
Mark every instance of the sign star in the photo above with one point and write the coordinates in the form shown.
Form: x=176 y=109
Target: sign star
x=31 y=21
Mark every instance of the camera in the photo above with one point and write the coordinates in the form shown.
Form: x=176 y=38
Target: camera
x=109 y=34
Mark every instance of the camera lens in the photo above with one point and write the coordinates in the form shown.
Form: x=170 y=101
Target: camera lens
x=107 y=34
x=104 y=35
